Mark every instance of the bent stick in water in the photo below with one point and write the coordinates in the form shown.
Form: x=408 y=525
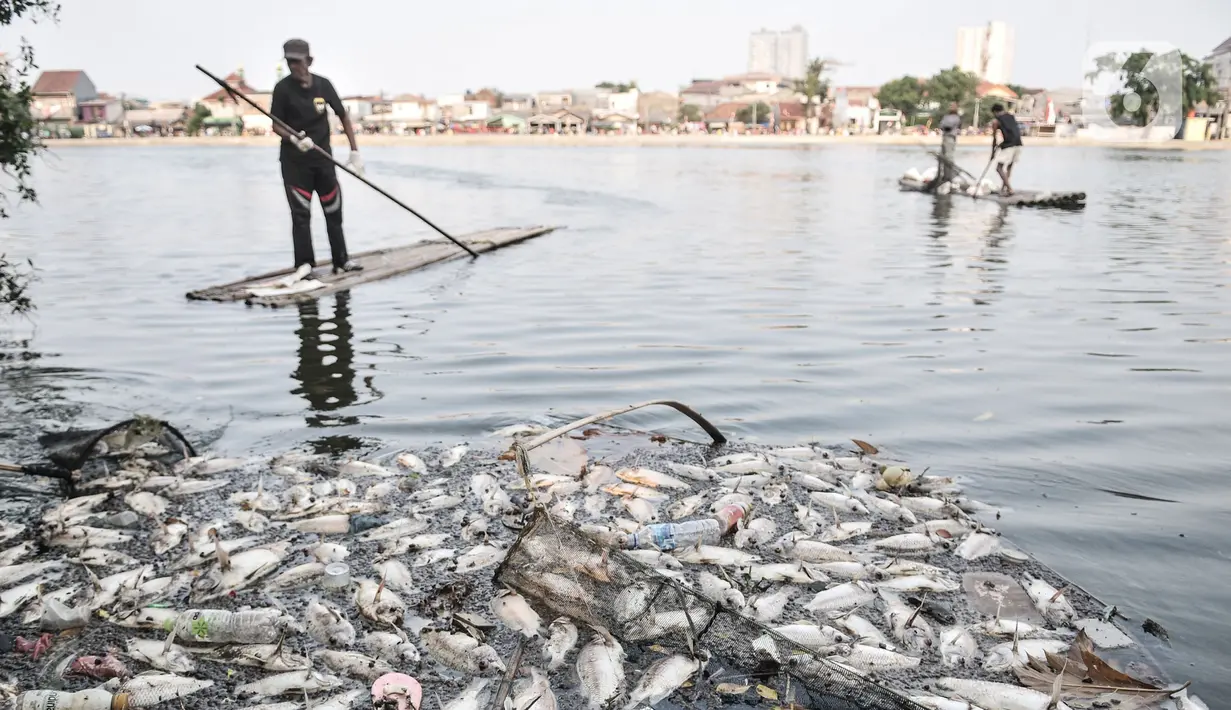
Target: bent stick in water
x=282 y=124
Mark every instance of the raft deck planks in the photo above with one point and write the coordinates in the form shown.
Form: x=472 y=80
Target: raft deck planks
x=1020 y=198
x=377 y=264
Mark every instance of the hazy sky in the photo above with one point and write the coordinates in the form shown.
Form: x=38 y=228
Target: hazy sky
x=148 y=47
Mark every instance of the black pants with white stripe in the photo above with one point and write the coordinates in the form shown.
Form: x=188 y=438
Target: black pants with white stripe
x=301 y=178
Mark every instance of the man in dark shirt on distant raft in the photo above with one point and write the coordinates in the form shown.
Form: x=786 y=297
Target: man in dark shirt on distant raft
x=300 y=100
x=1010 y=148
x=950 y=126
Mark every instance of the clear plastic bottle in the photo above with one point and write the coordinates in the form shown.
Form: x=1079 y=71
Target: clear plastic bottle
x=94 y=699
x=219 y=626
x=669 y=536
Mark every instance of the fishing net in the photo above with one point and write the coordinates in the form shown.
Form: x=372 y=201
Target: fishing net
x=556 y=566
x=153 y=437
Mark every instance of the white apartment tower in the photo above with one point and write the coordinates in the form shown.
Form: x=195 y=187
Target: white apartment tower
x=783 y=53
x=986 y=51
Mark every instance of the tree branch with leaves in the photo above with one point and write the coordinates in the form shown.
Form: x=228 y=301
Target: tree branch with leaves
x=19 y=143
x=813 y=86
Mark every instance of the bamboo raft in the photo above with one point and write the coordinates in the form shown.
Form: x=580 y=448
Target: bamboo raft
x=268 y=290
x=1021 y=198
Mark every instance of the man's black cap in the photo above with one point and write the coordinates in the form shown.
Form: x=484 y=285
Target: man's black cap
x=295 y=49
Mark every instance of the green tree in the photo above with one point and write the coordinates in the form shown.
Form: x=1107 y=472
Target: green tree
x=197 y=119
x=19 y=143
x=618 y=88
x=754 y=113
x=1143 y=77
x=814 y=85
x=904 y=94
x=690 y=113
x=949 y=85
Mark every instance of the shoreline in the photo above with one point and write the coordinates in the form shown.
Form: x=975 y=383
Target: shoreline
x=638 y=141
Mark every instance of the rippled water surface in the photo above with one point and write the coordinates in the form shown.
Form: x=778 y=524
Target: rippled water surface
x=1065 y=364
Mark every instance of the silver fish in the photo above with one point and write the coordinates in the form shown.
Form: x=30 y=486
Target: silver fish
x=207 y=553
x=515 y=612
x=289 y=682
x=428 y=558
x=886 y=507
x=640 y=509
x=206 y=466
x=84 y=536
x=379 y=603
x=327 y=625
x=251 y=521
x=813 y=551
x=865 y=632
x=296 y=577
x=183 y=488
x=846 y=570
x=841 y=501
x=14 y=598
x=473 y=696
x=811 y=482
x=394 y=648
x=654 y=558
x=870 y=658
x=479 y=557
x=562 y=636
x=954 y=528
x=147 y=618
x=169 y=535
x=74 y=510
x=768 y=607
x=907 y=543
x=977 y=545
x=662 y=679
x=266 y=656
x=700 y=474
x=246 y=568
x=746 y=482
x=842 y=597
x=1013 y=627
x=102 y=557
x=355 y=665
x=720 y=591
x=154 y=653
x=686 y=506
x=919 y=583
x=908 y=626
x=341 y=701
x=536 y=694
x=8 y=531
x=337 y=524
x=395 y=575
x=923 y=505
x=958 y=647
x=443 y=502
x=380 y=491
x=998 y=696
x=328 y=552
x=1050 y=602
x=462 y=652
x=600 y=669
x=414 y=543
x=758 y=531
x=56 y=603
x=1005 y=656
x=107 y=589
x=846 y=531
x=146 y=503
x=148 y=689
x=651 y=478
x=360 y=469
x=713 y=555
x=395 y=529
x=411 y=462
x=797 y=572
x=812 y=636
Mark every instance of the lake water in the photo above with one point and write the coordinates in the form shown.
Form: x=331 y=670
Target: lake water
x=1051 y=359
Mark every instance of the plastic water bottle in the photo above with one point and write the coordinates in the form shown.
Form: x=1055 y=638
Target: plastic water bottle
x=669 y=536
x=94 y=699
x=219 y=626
x=730 y=516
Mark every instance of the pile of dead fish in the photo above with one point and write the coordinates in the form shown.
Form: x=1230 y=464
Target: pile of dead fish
x=301 y=578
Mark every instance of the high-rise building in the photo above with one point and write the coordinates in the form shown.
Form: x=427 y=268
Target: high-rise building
x=986 y=51
x=783 y=53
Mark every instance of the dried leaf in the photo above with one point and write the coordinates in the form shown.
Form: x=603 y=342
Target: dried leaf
x=732 y=688
x=658 y=439
x=1082 y=674
x=588 y=433
x=767 y=692
x=865 y=447
x=1101 y=673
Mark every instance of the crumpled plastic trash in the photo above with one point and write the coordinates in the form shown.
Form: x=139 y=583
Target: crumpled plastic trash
x=57 y=616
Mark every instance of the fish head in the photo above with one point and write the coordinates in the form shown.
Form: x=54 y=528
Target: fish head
x=486 y=658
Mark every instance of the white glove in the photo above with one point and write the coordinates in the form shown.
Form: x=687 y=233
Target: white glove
x=355 y=163
x=304 y=144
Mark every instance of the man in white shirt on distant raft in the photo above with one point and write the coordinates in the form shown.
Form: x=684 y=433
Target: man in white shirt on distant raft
x=300 y=100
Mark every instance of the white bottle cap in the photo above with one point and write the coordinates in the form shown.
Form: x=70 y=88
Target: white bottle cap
x=337 y=575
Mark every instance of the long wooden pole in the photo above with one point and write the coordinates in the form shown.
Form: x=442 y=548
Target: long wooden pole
x=282 y=124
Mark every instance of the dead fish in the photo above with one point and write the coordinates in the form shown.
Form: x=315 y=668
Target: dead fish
x=323 y=524
x=328 y=552
x=99 y=667
x=683 y=508
x=562 y=637
x=169 y=535
x=865 y=632
x=395 y=575
x=846 y=531
x=768 y=607
x=958 y=647
x=1013 y=627
x=908 y=626
x=479 y=557
x=661 y=679
x=842 y=597
x=651 y=478
x=358 y=469
x=14 y=598
x=795 y=572
x=909 y=543
x=74 y=510
x=183 y=488
x=812 y=551
x=9 y=531
x=713 y=555
x=1005 y=656
x=147 y=503
x=453 y=456
x=380 y=491
x=462 y=652
x=153 y=652
x=295 y=577
x=246 y=568
x=401 y=527
x=352 y=664
x=923 y=505
x=720 y=591
x=632 y=490
x=251 y=521
x=886 y=507
x=149 y=689
x=15 y=554
x=471 y=696
x=812 y=636
x=977 y=545
x=441 y=503
x=1050 y=601
x=341 y=701
x=58 y=615
x=206 y=553
x=775 y=493
x=414 y=543
x=869 y=658
x=919 y=583
x=266 y=656
x=811 y=482
x=85 y=536
x=747 y=482
x=513 y=610
x=378 y=603
x=841 y=501
x=428 y=558
x=757 y=532
x=998 y=696
x=700 y=474
x=654 y=558
x=411 y=462
x=953 y=528
x=289 y=682
x=206 y=465
x=327 y=625
x=102 y=557
x=394 y=648
x=147 y=618
x=536 y=694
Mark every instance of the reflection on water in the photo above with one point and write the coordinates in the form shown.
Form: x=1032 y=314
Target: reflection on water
x=1043 y=357
x=326 y=372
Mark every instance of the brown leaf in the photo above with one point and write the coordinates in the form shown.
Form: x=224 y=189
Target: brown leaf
x=508 y=455
x=658 y=439
x=865 y=447
x=1101 y=673
x=589 y=433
